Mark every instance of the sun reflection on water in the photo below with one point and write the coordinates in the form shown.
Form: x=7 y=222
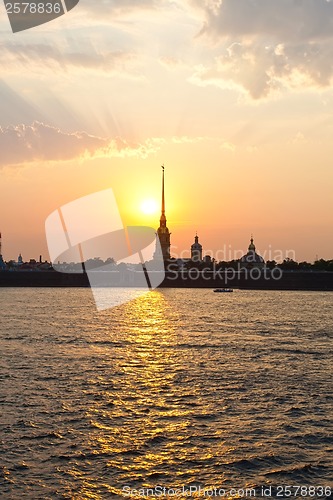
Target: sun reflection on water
x=175 y=389
x=148 y=430
x=134 y=430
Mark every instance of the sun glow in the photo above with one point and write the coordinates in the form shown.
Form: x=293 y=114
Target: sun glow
x=149 y=207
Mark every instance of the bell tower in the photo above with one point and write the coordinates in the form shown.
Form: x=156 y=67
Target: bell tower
x=196 y=250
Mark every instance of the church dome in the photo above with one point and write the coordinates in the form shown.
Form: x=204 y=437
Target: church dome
x=252 y=258
x=252 y=247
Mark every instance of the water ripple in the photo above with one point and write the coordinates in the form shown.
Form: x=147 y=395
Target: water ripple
x=176 y=388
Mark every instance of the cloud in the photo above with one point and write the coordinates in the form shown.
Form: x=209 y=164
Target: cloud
x=171 y=62
x=298 y=138
x=282 y=19
x=15 y=55
x=21 y=144
x=256 y=46
x=262 y=46
x=104 y=7
x=184 y=139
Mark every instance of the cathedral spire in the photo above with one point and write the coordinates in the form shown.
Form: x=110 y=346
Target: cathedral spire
x=163 y=199
x=163 y=232
x=2 y=264
x=163 y=218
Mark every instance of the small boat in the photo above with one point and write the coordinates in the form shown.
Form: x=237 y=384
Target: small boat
x=223 y=290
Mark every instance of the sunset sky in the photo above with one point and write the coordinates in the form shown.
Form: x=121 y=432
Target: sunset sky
x=235 y=97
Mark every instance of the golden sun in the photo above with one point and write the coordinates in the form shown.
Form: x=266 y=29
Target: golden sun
x=148 y=207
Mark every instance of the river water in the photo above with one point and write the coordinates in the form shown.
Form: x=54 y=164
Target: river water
x=177 y=389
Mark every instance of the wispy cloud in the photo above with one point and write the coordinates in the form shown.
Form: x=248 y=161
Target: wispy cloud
x=15 y=55
x=22 y=144
x=282 y=19
x=258 y=46
x=114 y=7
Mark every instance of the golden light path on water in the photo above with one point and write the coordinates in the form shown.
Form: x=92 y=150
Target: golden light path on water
x=177 y=388
x=150 y=324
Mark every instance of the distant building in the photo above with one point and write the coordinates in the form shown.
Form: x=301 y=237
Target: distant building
x=163 y=233
x=196 y=250
x=252 y=259
x=3 y=266
x=182 y=263
x=2 y=263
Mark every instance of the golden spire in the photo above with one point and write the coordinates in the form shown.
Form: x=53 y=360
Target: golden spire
x=163 y=201
x=163 y=218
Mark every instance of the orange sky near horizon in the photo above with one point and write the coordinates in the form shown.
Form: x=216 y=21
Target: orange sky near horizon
x=224 y=213
x=240 y=116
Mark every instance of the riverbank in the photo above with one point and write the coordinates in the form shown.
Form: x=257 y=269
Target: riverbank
x=260 y=280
